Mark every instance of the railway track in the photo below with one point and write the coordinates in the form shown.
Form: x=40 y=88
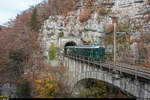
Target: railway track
x=121 y=67
x=135 y=70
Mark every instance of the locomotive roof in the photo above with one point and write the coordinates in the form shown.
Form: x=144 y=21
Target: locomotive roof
x=85 y=46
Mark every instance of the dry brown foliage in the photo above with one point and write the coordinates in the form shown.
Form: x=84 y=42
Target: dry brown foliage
x=86 y=15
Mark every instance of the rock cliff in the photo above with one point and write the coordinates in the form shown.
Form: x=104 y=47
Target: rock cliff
x=91 y=21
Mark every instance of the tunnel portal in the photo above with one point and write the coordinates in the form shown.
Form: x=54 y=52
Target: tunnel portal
x=71 y=43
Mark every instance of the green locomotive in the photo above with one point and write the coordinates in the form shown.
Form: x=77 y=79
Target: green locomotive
x=86 y=51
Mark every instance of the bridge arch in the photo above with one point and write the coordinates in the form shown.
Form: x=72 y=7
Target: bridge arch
x=104 y=77
x=108 y=86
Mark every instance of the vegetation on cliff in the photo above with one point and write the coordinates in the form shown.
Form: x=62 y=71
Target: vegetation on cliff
x=52 y=52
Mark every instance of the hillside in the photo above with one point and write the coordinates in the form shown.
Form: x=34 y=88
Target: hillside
x=1 y=27
x=21 y=59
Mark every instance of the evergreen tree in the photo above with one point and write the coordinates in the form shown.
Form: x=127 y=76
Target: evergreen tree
x=33 y=20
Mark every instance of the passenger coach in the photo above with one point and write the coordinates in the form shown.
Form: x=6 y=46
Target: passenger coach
x=89 y=51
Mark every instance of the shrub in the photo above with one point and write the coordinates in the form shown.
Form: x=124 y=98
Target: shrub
x=123 y=27
x=85 y=16
x=17 y=55
x=52 y=52
x=108 y=28
x=45 y=87
x=103 y=11
x=49 y=87
x=23 y=89
x=16 y=63
x=61 y=34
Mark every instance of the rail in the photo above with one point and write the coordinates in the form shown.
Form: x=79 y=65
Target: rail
x=121 y=67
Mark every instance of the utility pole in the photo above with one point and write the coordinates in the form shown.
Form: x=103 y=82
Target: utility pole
x=114 y=21
x=115 y=46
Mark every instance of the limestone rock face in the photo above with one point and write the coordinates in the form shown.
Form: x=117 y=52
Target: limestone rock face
x=93 y=28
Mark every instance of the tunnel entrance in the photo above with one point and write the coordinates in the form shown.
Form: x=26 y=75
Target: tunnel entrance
x=71 y=43
x=92 y=88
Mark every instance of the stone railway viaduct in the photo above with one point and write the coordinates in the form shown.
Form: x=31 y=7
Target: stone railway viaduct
x=77 y=69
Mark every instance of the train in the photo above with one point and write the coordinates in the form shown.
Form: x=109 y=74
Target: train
x=94 y=52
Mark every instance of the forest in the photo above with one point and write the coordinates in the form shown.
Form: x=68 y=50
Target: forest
x=21 y=58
